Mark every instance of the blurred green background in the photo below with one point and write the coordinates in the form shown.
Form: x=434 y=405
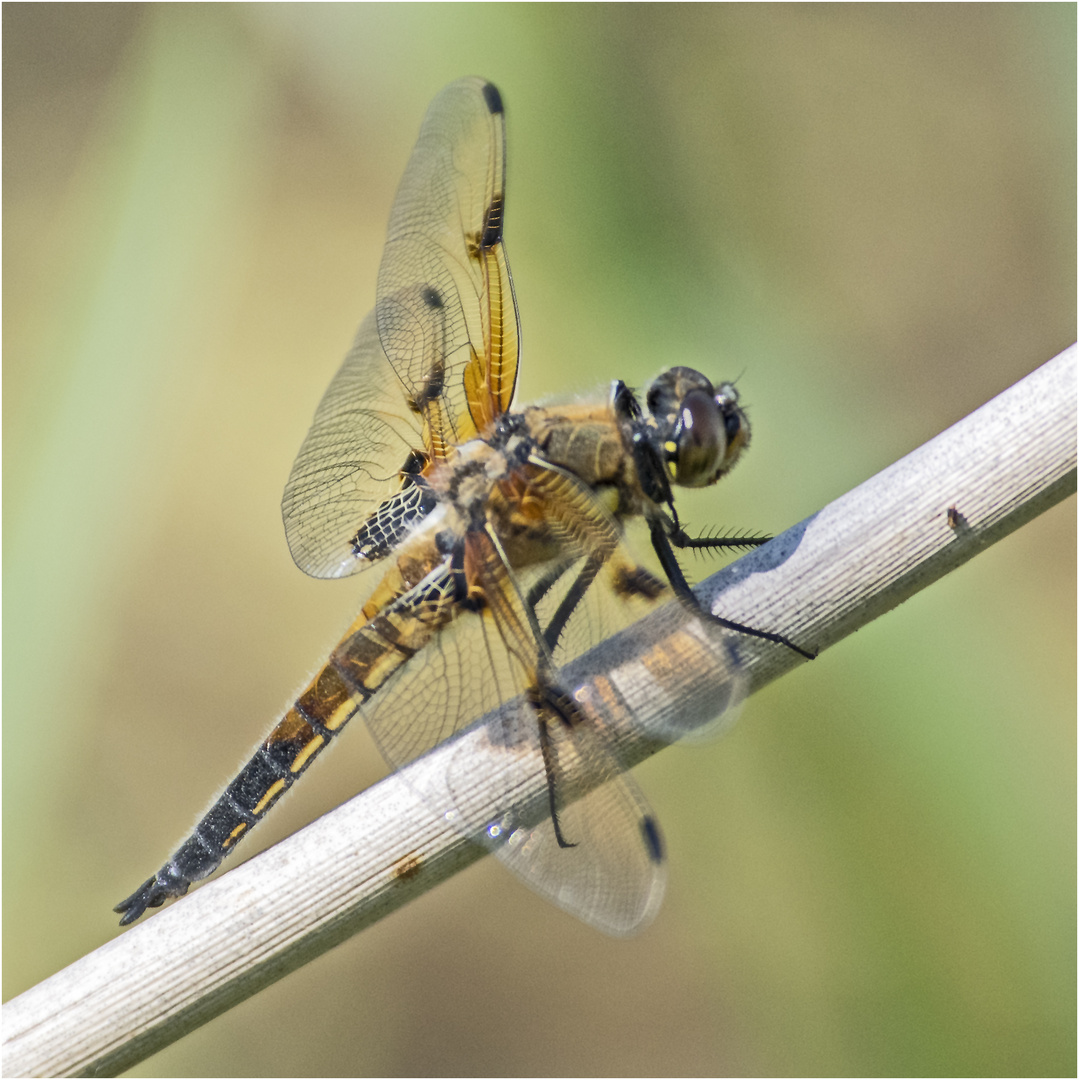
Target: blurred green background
x=865 y=214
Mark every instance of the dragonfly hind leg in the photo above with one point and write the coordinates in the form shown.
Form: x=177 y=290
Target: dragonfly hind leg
x=549 y=770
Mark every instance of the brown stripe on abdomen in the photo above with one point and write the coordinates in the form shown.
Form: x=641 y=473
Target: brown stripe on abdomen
x=327 y=702
x=370 y=655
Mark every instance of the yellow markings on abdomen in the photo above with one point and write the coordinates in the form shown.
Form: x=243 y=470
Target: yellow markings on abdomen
x=340 y=716
x=272 y=792
x=372 y=654
x=235 y=835
x=308 y=752
x=327 y=701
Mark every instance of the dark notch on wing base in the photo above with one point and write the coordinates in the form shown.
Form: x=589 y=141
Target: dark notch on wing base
x=637 y=581
x=492 y=97
x=415 y=463
x=430 y=388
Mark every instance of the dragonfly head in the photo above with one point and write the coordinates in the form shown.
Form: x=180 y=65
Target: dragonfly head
x=700 y=428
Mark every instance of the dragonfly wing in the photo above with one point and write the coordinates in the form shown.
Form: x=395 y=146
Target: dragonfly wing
x=446 y=311
x=436 y=361
x=538 y=781
x=599 y=854
x=351 y=461
x=557 y=807
x=495 y=789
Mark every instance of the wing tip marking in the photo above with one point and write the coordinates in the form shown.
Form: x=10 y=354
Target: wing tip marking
x=653 y=839
x=492 y=98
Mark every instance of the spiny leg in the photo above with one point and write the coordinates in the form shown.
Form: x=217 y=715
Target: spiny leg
x=553 y=631
x=661 y=542
x=682 y=540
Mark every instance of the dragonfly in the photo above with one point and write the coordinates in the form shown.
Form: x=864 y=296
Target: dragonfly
x=500 y=536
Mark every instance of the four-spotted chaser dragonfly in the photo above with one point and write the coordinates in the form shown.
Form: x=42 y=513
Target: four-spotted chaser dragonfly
x=501 y=537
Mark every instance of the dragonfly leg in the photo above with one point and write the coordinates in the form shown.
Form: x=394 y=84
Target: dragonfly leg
x=661 y=542
x=548 y=700
x=682 y=540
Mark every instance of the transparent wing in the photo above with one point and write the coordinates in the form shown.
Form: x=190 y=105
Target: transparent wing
x=669 y=675
x=446 y=311
x=351 y=460
x=551 y=755
x=436 y=360
x=599 y=854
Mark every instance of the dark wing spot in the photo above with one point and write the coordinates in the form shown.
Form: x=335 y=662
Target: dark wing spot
x=492 y=97
x=492 y=223
x=652 y=839
x=431 y=387
x=636 y=581
x=431 y=297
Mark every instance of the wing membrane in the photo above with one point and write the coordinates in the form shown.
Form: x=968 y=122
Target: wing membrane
x=446 y=311
x=609 y=868
x=351 y=460
x=613 y=874
x=436 y=361
x=556 y=806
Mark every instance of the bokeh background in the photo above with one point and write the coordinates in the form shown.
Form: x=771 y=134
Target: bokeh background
x=865 y=214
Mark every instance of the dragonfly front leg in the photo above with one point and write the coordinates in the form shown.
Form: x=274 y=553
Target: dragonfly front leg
x=661 y=543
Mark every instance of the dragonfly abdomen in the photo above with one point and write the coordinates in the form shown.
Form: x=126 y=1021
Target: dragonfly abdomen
x=304 y=731
x=376 y=646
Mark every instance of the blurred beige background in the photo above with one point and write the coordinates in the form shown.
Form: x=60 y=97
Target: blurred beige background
x=865 y=214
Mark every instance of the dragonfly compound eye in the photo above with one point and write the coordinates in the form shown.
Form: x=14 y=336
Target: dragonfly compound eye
x=698 y=443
